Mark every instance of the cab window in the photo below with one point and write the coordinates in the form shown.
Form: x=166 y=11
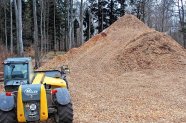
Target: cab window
x=15 y=71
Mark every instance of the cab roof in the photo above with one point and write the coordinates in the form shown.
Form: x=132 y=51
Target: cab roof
x=18 y=60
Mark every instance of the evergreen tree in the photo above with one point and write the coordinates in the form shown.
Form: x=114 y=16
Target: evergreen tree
x=88 y=25
x=114 y=11
x=100 y=13
x=123 y=7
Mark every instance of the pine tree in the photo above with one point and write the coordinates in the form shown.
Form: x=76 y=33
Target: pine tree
x=114 y=11
x=88 y=25
x=100 y=13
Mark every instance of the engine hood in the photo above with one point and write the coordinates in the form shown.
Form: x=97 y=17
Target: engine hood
x=31 y=92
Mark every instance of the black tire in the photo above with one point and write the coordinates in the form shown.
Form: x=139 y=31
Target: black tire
x=64 y=114
x=8 y=116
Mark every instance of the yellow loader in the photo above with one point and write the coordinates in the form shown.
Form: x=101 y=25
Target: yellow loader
x=34 y=96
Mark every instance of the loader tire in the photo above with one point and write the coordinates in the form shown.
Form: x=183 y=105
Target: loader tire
x=65 y=114
x=8 y=116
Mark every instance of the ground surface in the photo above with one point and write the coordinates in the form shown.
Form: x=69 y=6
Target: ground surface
x=143 y=96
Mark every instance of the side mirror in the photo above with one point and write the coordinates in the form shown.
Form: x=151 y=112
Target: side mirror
x=65 y=69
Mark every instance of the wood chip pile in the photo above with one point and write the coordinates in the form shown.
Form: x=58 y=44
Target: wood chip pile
x=127 y=73
x=126 y=45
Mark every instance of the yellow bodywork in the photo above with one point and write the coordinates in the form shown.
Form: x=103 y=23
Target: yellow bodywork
x=20 y=107
x=40 y=78
x=43 y=105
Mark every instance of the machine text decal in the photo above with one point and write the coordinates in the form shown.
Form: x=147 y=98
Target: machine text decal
x=29 y=92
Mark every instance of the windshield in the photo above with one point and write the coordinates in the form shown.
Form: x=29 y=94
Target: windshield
x=15 y=71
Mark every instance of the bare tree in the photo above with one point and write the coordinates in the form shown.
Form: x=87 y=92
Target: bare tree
x=81 y=22
x=150 y=14
x=139 y=7
x=181 y=12
x=41 y=24
x=6 y=42
x=161 y=14
x=44 y=25
x=47 y=28
x=67 y=25
x=20 y=27
x=36 y=43
x=55 y=42
x=18 y=11
x=17 y=25
x=70 y=23
x=90 y=20
x=11 y=32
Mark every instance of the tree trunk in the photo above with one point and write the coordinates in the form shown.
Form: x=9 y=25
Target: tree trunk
x=81 y=23
x=41 y=25
x=20 y=27
x=44 y=26
x=72 y=45
x=6 y=42
x=70 y=23
x=184 y=39
x=122 y=7
x=183 y=24
x=181 y=19
x=17 y=26
x=47 y=31
x=66 y=26
x=111 y=12
x=11 y=32
x=143 y=5
x=163 y=16
x=183 y=12
x=37 y=64
x=55 y=42
x=100 y=16
x=89 y=24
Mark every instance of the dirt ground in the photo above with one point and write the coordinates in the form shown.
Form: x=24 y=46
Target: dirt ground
x=142 y=96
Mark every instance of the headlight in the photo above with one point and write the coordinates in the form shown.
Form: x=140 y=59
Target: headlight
x=33 y=107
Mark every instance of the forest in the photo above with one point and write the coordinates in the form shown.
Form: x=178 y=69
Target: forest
x=59 y=25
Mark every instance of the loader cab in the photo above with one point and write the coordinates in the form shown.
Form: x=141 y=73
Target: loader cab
x=17 y=71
